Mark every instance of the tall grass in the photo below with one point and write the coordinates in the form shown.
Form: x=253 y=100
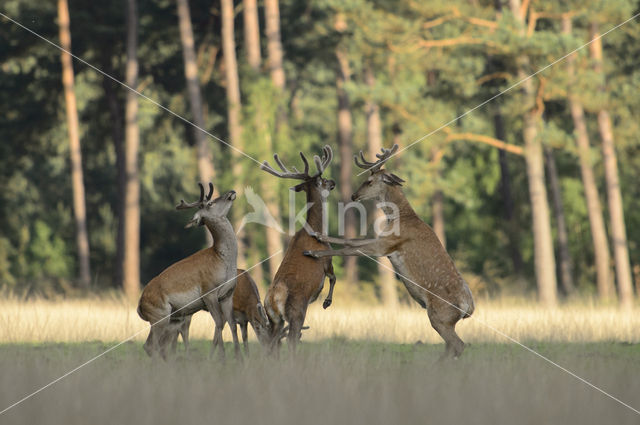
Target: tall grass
x=113 y=320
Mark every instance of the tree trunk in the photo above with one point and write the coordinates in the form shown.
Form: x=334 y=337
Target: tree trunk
x=131 y=269
x=386 y=276
x=511 y=225
x=121 y=174
x=275 y=249
x=252 y=34
x=345 y=143
x=77 y=179
x=545 y=264
x=274 y=43
x=233 y=110
x=594 y=209
x=614 y=197
x=206 y=170
x=565 y=266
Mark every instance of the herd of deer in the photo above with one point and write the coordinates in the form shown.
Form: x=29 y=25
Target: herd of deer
x=209 y=280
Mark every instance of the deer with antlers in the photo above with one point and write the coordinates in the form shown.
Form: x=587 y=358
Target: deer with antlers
x=415 y=251
x=204 y=280
x=300 y=279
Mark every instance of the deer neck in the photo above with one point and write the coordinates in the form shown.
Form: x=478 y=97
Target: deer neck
x=315 y=213
x=224 y=239
x=403 y=209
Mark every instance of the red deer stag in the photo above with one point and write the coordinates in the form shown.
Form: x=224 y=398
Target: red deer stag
x=204 y=280
x=299 y=279
x=417 y=255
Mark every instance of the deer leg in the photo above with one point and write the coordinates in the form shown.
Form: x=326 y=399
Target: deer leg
x=295 y=331
x=332 y=282
x=371 y=250
x=346 y=242
x=227 y=310
x=218 y=318
x=184 y=332
x=454 y=346
x=243 y=332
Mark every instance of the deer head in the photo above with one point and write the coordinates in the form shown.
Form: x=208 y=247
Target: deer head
x=208 y=210
x=379 y=181
x=309 y=182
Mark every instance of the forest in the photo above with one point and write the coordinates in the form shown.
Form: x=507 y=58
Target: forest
x=515 y=120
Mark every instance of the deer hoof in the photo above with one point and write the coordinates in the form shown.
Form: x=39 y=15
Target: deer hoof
x=326 y=303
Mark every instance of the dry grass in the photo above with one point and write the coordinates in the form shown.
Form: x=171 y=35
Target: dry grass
x=113 y=320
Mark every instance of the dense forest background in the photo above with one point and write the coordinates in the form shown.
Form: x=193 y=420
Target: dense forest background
x=536 y=191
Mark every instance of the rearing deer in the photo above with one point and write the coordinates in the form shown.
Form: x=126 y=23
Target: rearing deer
x=299 y=279
x=417 y=255
x=205 y=279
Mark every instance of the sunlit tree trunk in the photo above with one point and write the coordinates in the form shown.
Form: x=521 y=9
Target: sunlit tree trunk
x=274 y=43
x=565 y=263
x=267 y=190
x=614 y=196
x=386 y=276
x=544 y=258
x=345 y=145
x=233 y=109
x=594 y=209
x=252 y=34
x=131 y=269
x=206 y=169
x=77 y=180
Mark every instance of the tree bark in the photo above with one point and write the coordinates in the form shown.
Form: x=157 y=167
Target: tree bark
x=275 y=247
x=594 y=209
x=206 y=170
x=565 y=263
x=386 y=276
x=614 y=196
x=205 y=163
x=234 y=106
x=252 y=33
x=77 y=179
x=274 y=43
x=345 y=144
x=545 y=264
x=511 y=225
x=131 y=269
x=121 y=174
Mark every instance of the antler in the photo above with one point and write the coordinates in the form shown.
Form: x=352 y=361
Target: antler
x=286 y=173
x=322 y=164
x=382 y=158
x=183 y=205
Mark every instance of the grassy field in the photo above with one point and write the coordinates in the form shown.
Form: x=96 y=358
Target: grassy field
x=334 y=381
x=113 y=320
x=357 y=364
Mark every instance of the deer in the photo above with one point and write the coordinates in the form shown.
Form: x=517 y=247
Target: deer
x=300 y=279
x=416 y=253
x=247 y=309
x=204 y=280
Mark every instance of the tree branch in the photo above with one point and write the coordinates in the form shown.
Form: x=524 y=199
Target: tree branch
x=487 y=140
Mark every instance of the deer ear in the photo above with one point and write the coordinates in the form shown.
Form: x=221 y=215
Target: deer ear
x=299 y=187
x=392 y=179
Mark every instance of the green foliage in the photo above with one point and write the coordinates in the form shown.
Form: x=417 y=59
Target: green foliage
x=418 y=89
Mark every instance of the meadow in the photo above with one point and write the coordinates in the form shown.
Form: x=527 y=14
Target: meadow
x=356 y=365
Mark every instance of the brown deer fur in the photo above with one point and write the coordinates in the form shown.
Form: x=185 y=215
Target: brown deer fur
x=299 y=279
x=247 y=308
x=416 y=253
x=204 y=279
